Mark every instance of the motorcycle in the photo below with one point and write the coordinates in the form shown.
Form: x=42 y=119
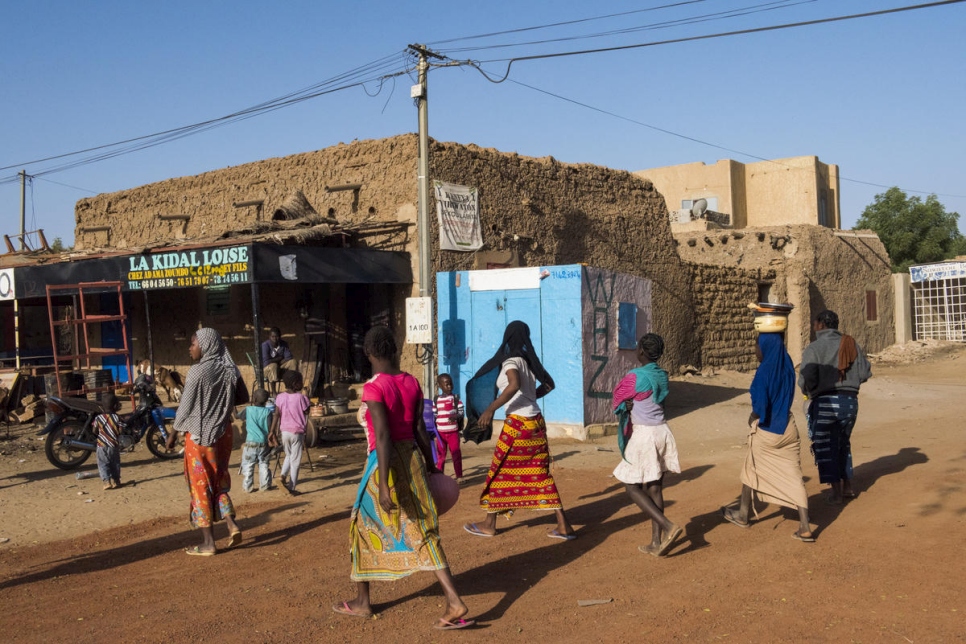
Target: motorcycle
x=70 y=433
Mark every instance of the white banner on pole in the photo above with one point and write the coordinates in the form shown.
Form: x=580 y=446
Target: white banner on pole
x=419 y=320
x=458 y=211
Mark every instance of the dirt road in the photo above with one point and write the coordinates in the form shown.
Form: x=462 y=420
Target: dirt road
x=82 y=564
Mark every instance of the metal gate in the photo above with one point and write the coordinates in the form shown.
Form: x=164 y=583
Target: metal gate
x=939 y=301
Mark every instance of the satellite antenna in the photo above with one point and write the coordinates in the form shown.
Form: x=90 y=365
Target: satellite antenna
x=698 y=208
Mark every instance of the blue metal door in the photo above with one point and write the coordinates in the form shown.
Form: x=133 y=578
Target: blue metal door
x=112 y=337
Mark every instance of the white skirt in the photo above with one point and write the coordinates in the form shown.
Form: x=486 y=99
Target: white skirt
x=649 y=453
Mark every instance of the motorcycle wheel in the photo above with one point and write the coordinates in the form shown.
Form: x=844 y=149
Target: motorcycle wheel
x=60 y=455
x=156 y=442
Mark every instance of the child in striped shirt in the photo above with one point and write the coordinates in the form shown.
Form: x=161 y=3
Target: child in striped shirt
x=108 y=427
x=448 y=411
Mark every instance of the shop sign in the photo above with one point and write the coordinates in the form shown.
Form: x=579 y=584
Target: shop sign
x=7 y=284
x=179 y=269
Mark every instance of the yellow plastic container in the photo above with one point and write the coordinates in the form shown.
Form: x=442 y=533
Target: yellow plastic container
x=770 y=323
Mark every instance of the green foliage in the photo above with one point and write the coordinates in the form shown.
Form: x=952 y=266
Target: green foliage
x=913 y=231
x=57 y=246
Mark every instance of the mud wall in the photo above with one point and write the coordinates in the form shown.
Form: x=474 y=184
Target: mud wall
x=384 y=170
x=725 y=326
x=845 y=269
x=567 y=214
x=560 y=214
x=812 y=267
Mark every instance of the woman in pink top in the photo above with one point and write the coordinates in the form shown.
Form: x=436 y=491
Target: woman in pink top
x=394 y=530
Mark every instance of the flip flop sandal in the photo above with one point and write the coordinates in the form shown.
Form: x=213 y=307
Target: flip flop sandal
x=553 y=534
x=345 y=609
x=472 y=529
x=234 y=539
x=796 y=535
x=730 y=518
x=444 y=625
x=669 y=541
x=197 y=552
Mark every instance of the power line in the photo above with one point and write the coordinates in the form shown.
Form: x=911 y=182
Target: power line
x=66 y=185
x=564 y=23
x=739 y=32
x=678 y=22
x=378 y=71
x=709 y=144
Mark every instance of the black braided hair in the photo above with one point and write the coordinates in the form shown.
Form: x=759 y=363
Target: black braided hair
x=828 y=318
x=652 y=345
x=380 y=343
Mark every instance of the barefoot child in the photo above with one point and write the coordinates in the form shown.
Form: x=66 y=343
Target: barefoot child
x=289 y=425
x=108 y=427
x=646 y=443
x=258 y=422
x=448 y=411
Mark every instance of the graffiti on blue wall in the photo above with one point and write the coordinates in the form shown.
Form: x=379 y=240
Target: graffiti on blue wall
x=601 y=291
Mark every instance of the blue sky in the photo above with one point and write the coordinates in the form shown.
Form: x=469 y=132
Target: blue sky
x=882 y=97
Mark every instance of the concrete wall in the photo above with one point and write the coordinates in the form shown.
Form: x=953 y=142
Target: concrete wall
x=572 y=312
x=766 y=193
x=788 y=191
x=604 y=363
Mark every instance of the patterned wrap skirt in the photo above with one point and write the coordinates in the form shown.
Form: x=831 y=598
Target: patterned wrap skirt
x=387 y=546
x=209 y=480
x=831 y=419
x=519 y=476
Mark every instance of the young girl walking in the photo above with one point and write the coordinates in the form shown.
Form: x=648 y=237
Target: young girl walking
x=288 y=425
x=647 y=446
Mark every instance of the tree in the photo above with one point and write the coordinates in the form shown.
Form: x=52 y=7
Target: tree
x=913 y=231
x=58 y=246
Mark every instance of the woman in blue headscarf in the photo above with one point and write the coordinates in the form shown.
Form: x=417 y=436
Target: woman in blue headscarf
x=773 y=468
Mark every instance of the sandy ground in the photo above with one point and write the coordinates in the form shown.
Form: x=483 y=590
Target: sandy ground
x=82 y=564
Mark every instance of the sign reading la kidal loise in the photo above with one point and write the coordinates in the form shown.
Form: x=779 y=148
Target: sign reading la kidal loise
x=203 y=267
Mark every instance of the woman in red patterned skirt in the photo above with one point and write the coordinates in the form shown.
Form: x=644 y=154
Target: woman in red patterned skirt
x=519 y=476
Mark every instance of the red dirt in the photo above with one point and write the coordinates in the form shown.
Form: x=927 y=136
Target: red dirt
x=887 y=566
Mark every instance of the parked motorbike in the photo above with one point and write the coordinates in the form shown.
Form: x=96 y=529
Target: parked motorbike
x=70 y=434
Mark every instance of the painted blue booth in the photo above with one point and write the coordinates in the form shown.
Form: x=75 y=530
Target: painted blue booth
x=583 y=321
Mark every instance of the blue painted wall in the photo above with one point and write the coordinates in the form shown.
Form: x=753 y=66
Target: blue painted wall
x=471 y=326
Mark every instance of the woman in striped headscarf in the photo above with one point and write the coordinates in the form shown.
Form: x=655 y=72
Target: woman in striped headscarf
x=204 y=416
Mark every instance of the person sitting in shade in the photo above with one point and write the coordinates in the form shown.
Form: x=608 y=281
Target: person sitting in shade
x=276 y=358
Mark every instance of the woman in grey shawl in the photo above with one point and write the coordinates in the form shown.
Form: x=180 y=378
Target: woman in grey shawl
x=204 y=417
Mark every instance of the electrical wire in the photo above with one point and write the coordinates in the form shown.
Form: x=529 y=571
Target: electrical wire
x=667 y=24
x=564 y=23
x=740 y=32
x=378 y=71
x=67 y=185
x=709 y=144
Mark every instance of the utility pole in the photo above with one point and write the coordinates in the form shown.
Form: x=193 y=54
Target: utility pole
x=420 y=93
x=23 y=209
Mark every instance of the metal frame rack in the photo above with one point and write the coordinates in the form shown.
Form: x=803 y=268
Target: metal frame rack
x=82 y=339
